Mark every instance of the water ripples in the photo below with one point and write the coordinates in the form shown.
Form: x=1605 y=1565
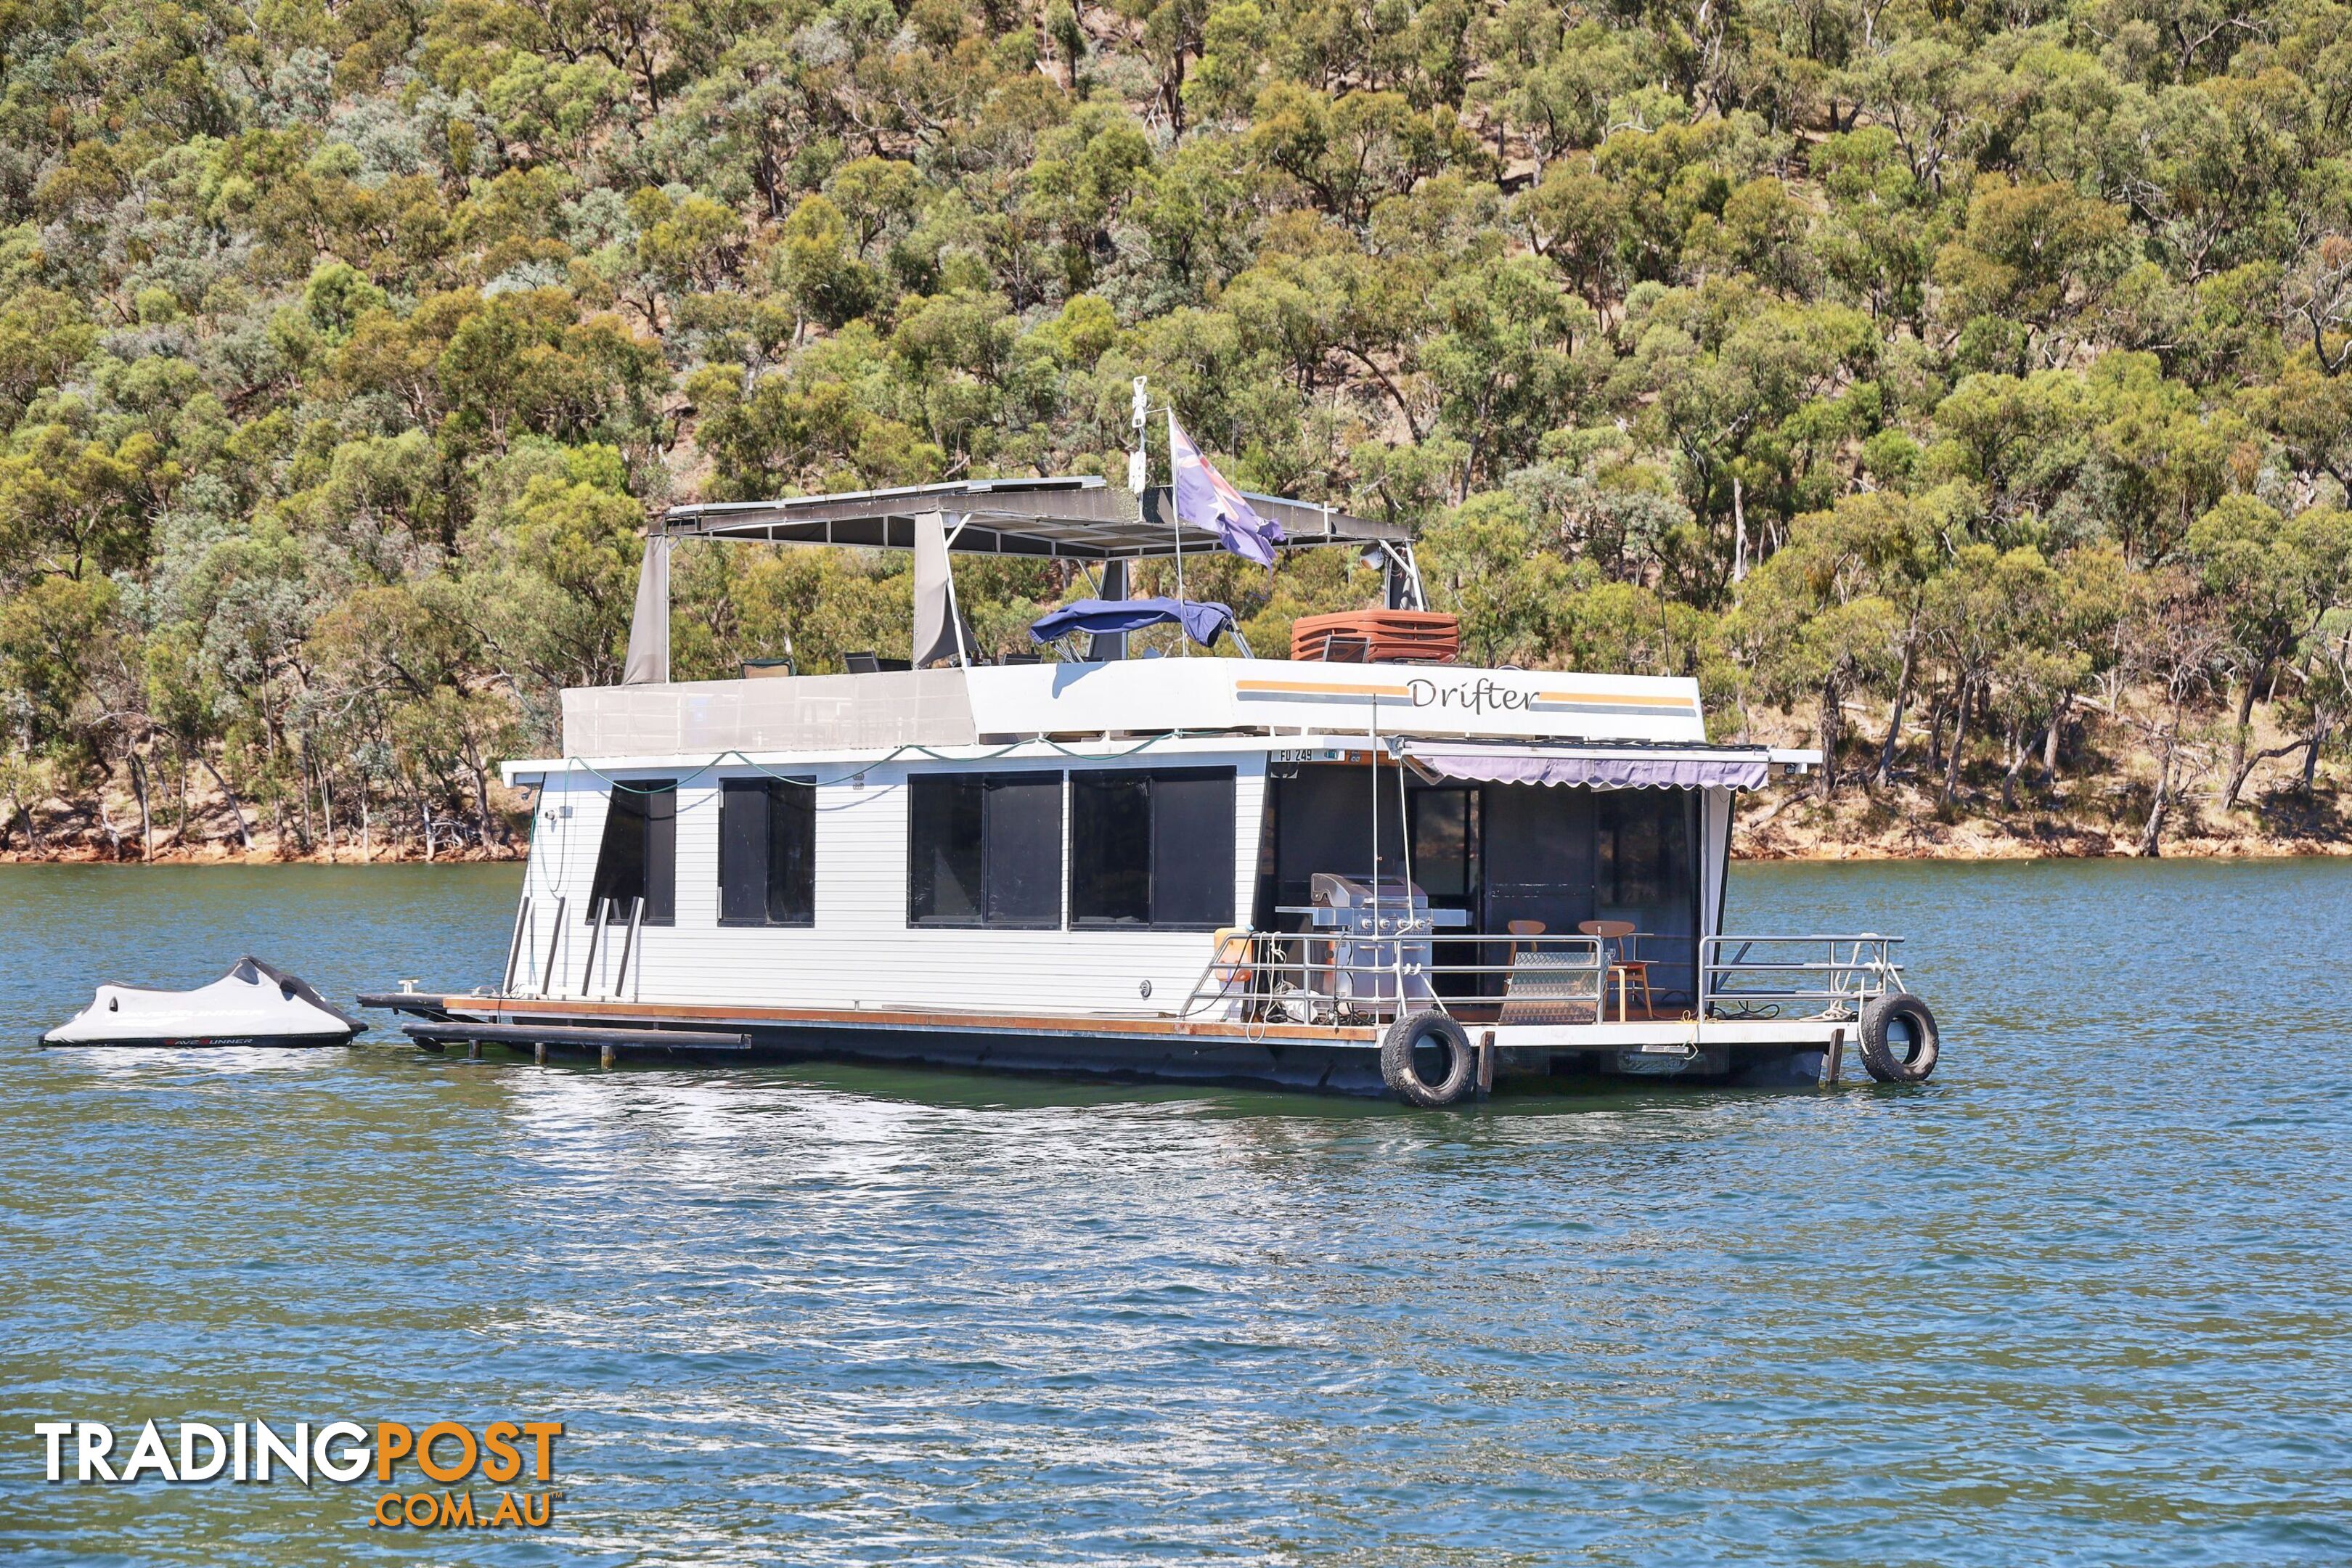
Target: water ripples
x=2077 y=1300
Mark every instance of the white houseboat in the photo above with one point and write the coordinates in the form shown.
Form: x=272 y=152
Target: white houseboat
x=1405 y=878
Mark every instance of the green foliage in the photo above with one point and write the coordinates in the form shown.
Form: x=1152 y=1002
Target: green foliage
x=1924 y=353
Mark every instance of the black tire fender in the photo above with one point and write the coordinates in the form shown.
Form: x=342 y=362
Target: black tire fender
x=1417 y=1032
x=1884 y=1050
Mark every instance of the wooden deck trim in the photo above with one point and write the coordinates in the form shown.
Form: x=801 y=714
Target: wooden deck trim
x=489 y=1009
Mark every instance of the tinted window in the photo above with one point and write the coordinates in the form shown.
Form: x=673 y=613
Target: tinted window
x=1540 y=856
x=1644 y=872
x=1324 y=821
x=944 y=867
x=1152 y=849
x=1445 y=844
x=984 y=850
x=1111 y=849
x=638 y=857
x=767 y=862
x=1023 y=828
x=1193 y=847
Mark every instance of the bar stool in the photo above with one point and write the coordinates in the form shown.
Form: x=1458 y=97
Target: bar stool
x=1627 y=970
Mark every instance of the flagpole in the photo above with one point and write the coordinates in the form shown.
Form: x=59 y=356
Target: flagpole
x=1176 y=531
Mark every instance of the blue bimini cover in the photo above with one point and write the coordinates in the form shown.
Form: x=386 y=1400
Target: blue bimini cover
x=1203 y=623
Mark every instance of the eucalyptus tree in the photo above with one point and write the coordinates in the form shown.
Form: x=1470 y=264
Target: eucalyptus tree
x=2275 y=580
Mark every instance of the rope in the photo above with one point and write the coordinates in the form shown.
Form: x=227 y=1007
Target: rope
x=628 y=788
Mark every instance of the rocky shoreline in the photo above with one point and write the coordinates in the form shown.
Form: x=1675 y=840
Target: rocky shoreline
x=1790 y=827
x=2097 y=816
x=1905 y=824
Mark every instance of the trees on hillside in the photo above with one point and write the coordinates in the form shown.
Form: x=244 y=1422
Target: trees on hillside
x=1945 y=376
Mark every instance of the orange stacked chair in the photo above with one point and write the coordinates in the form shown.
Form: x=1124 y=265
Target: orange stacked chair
x=1378 y=637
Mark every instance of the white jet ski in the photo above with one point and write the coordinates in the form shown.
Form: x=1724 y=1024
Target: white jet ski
x=252 y=1004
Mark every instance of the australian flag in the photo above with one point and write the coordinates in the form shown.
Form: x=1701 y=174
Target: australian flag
x=1205 y=498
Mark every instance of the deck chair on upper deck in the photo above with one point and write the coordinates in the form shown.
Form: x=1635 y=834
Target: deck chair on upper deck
x=1541 y=987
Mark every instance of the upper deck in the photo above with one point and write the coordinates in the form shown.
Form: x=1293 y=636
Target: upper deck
x=819 y=715
x=953 y=698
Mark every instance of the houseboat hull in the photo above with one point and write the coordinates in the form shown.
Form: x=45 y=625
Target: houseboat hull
x=1328 y=1061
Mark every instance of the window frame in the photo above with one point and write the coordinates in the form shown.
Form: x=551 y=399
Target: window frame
x=1108 y=778
x=771 y=790
x=652 y=827
x=985 y=781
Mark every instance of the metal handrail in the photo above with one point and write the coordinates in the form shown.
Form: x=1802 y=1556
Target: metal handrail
x=514 y=947
x=1340 y=976
x=629 y=946
x=1861 y=966
x=598 y=920
x=547 y=976
x=522 y=953
x=594 y=983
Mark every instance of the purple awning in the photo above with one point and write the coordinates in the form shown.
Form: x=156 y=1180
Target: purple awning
x=1593 y=772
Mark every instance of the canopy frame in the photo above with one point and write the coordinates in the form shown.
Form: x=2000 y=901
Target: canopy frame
x=1078 y=518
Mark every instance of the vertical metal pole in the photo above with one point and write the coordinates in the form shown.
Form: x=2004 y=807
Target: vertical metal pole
x=514 y=947
x=1373 y=756
x=629 y=944
x=1176 y=530
x=1110 y=645
x=1404 y=852
x=1834 y=1059
x=595 y=939
x=554 y=939
x=955 y=611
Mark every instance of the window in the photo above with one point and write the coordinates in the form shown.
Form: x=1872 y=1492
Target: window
x=1152 y=849
x=1644 y=872
x=1325 y=820
x=638 y=857
x=1644 y=856
x=984 y=850
x=1445 y=844
x=767 y=852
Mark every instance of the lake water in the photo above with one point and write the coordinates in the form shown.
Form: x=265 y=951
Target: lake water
x=2081 y=1299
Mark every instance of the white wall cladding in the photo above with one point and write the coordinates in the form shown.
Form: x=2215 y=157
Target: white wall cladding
x=861 y=953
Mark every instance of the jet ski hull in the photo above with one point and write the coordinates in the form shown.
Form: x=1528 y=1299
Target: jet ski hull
x=252 y=1004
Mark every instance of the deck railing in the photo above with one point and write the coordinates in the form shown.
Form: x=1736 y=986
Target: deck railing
x=1331 y=977
x=615 y=941
x=1795 y=976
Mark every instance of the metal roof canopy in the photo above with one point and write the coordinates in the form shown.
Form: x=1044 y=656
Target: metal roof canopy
x=1080 y=518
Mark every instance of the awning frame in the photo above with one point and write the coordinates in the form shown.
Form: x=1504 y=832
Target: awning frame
x=1609 y=767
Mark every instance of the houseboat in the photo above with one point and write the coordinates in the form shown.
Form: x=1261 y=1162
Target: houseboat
x=1369 y=870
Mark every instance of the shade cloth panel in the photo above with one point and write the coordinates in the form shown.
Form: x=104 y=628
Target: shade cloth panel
x=648 y=661
x=1595 y=771
x=1202 y=622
